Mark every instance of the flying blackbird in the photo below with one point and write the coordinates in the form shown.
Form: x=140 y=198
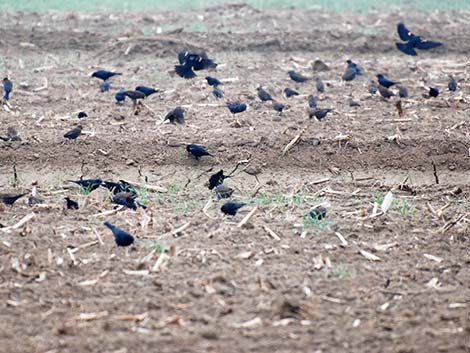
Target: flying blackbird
x=263 y=94
x=385 y=92
x=279 y=107
x=88 y=184
x=403 y=92
x=116 y=188
x=319 y=113
x=452 y=85
x=320 y=85
x=290 y=92
x=216 y=179
x=236 y=107
x=383 y=81
x=74 y=133
x=230 y=208
x=223 y=191
x=433 y=92
x=82 y=115
x=71 y=204
x=125 y=198
x=312 y=101
x=120 y=96
x=10 y=199
x=147 y=91
x=176 y=116
x=296 y=76
x=104 y=74
x=189 y=61
x=212 y=81
x=317 y=213
x=197 y=151
x=413 y=42
x=217 y=92
x=121 y=237
x=349 y=74
x=355 y=66
x=7 y=88
x=105 y=86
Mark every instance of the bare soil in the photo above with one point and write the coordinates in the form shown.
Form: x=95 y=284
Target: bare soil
x=66 y=287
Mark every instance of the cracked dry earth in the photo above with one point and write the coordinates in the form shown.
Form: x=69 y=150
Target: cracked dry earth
x=358 y=281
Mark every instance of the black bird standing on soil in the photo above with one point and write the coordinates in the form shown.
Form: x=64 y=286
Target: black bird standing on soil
x=403 y=92
x=71 y=204
x=385 y=92
x=212 y=81
x=372 y=88
x=279 y=107
x=105 y=86
x=197 y=151
x=7 y=88
x=383 y=81
x=452 y=86
x=223 y=191
x=297 y=77
x=176 y=116
x=120 y=96
x=116 y=188
x=104 y=74
x=217 y=92
x=413 y=42
x=290 y=92
x=88 y=184
x=263 y=94
x=82 y=115
x=319 y=113
x=134 y=95
x=231 y=208
x=74 y=133
x=349 y=74
x=355 y=66
x=121 y=237
x=217 y=179
x=433 y=92
x=312 y=101
x=148 y=91
x=320 y=85
x=125 y=198
x=10 y=199
x=236 y=107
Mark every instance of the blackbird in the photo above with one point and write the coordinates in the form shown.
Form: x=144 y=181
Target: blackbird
x=175 y=116
x=216 y=179
x=71 y=204
x=433 y=92
x=312 y=101
x=297 y=77
x=403 y=92
x=319 y=113
x=212 y=81
x=320 y=85
x=263 y=94
x=7 y=88
x=88 y=184
x=217 y=92
x=356 y=67
x=385 y=92
x=413 y=42
x=318 y=213
x=349 y=74
x=290 y=92
x=197 y=151
x=116 y=188
x=82 y=115
x=120 y=96
x=147 y=91
x=105 y=86
x=121 y=237
x=236 y=107
x=383 y=81
x=452 y=85
x=279 y=107
x=231 y=208
x=223 y=191
x=125 y=198
x=74 y=133
x=104 y=74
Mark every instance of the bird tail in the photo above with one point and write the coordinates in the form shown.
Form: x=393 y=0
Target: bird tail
x=6 y=96
x=406 y=48
x=109 y=225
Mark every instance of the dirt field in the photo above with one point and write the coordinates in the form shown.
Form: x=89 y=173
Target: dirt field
x=397 y=282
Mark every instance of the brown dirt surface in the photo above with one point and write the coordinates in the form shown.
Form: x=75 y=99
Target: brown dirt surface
x=399 y=283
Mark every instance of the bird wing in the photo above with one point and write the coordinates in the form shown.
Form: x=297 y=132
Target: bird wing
x=427 y=44
x=406 y=48
x=185 y=71
x=403 y=32
x=182 y=56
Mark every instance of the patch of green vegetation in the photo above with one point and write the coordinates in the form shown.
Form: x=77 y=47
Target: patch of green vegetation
x=174 y=189
x=378 y=197
x=146 y=5
x=340 y=271
x=405 y=208
x=315 y=224
x=160 y=248
x=186 y=205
